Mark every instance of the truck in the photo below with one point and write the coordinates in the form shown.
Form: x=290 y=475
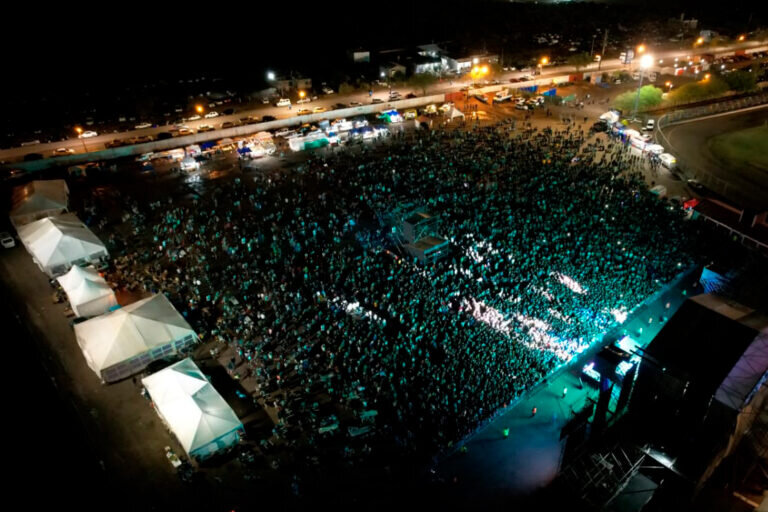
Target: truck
x=502 y=96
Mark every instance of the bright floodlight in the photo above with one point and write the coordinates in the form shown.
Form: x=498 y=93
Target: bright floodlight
x=382 y=74
x=270 y=75
x=646 y=61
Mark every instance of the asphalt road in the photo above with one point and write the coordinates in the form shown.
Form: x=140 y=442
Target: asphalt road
x=746 y=185
x=98 y=143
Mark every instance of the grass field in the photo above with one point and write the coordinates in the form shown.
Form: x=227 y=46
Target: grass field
x=744 y=148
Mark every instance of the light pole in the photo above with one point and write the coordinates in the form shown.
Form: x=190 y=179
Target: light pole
x=80 y=136
x=543 y=62
x=645 y=62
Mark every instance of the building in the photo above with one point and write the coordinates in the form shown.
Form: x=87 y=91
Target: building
x=391 y=69
x=360 y=55
x=464 y=63
x=291 y=82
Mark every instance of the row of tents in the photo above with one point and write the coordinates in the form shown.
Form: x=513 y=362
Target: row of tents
x=118 y=342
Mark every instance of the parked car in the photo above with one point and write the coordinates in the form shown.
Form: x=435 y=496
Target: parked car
x=377 y=100
x=115 y=143
x=6 y=240
x=193 y=118
x=327 y=90
x=185 y=131
x=303 y=112
x=339 y=106
x=142 y=126
x=228 y=111
x=164 y=135
x=63 y=151
x=283 y=102
x=265 y=101
x=268 y=118
x=668 y=161
x=319 y=110
x=88 y=134
x=302 y=101
x=649 y=125
x=204 y=128
x=354 y=103
x=228 y=124
x=410 y=96
x=211 y=114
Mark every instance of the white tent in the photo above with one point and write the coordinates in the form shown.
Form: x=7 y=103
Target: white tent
x=455 y=113
x=123 y=342
x=191 y=407
x=88 y=292
x=57 y=243
x=37 y=200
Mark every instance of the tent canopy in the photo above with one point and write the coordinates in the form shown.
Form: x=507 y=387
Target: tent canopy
x=88 y=292
x=120 y=335
x=58 y=242
x=38 y=199
x=191 y=406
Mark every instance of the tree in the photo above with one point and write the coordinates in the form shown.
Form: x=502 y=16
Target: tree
x=650 y=96
x=579 y=60
x=422 y=81
x=345 y=88
x=741 y=81
x=697 y=91
x=398 y=77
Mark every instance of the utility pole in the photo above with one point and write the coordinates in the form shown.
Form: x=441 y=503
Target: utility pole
x=602 y=54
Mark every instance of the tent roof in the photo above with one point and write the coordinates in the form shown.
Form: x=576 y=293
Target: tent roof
x=127 y=332
x=59 y=239
x=38 y=196
x=84 y=285
x=701 y=344
x=748 y=372
x=190 y=405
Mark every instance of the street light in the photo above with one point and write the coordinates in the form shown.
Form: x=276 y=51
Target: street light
x=641 y=48
x=302 y=94
x=270 y=76
x=742 y=37
x=543 y=62
x=646 y=61
x=700 y=40
x=79 y=136
x=199 y=109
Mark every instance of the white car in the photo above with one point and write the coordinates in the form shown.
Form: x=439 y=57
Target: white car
x=142 y=126
x=88 y=134
x=193 y=118
x=655 y=149
x=284 y=102
x=304 y=100
x=63 y=151
x=327 y=90
x=649 y=125
x=211 y=114
x=354 y=103
x=6 y=240
x=668 y=161
x=265 y=101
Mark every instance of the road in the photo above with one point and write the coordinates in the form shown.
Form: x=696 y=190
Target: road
x=688 y=141
x=98 y=143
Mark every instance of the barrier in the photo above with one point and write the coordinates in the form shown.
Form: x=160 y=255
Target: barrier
x=237 y=131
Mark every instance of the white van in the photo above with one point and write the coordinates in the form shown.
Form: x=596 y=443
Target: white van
x=668 y=161
x=284 y=102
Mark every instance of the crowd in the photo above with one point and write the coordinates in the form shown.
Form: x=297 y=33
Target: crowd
x=552 y=243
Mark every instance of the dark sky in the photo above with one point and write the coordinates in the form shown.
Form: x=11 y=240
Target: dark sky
x=84 y=43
